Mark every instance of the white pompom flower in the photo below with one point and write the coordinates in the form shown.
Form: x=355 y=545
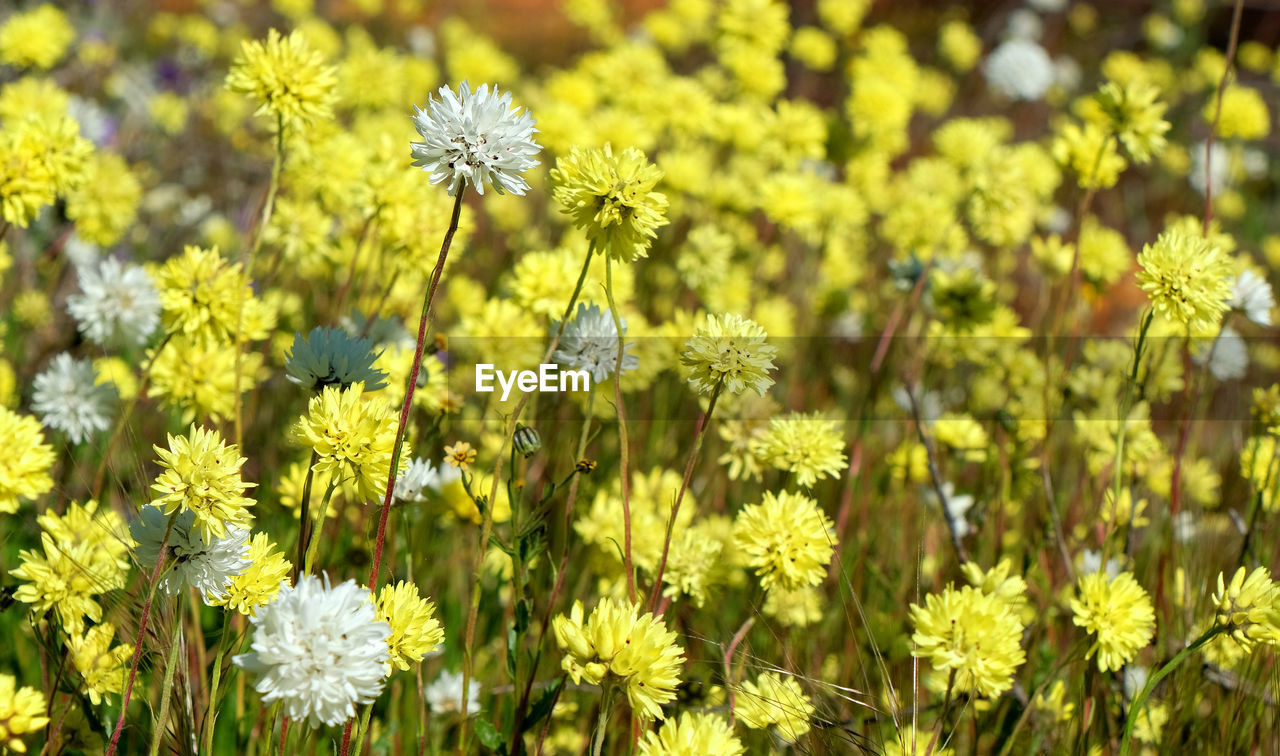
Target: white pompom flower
x=1019 y=69
x=319 y=650
x=67 y=397
x=590 y=342
x=476 y=138
x=119 y=303
x=206 y=566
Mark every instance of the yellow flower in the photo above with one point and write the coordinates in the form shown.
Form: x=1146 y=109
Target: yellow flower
x=25 y=460
x=259 y=583
x=1244 y=113
x=806 y=445
x=37 y=38
x=101 y=665
x=729 y=350
x=619 y=645
x=612 y=199
x=105 y=203
x=1132 y=113
x=203 y=296
x=202 y=474
x=1187 y=277
x=460 y=455
x=788 y=540
x=1090 y=152
x=1249 y=607
x=353 y=438
x=976 y=635
x=198 y=377
x=415 y=630
x=692 y=735
x=21 y=711
x=959 y=45
x=1118 y=612
x=290 y=81
x=774 y=700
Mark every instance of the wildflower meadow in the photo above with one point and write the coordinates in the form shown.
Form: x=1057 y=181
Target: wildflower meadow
x=698 y=377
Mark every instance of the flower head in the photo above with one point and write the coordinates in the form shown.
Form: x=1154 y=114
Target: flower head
x=319 y=650
x=1187 y=278
x=1135 y=116
x=21 y=711
x=37 y=38
x=415 y=631
x=619 y=644
x=25 y=460
x=206 y=564
x=203 y=296
x=460 y=455
x=692 y=735
x=729 y=350
x=1119 y=612
x=118 y=304
x=1249 y=607
x=333 y=357
x=444 y=694
x=590 y=342
x=352 y=436
x=258 y=583
x=202 y=474
x=612 y=198
x=1252 y=295
x=477 y=138
x=413 y=483
x=977 y=635
x=788 y=540
x=1019 y=69
x=806 y=445
x=68 y=398
x=774 y=700
x=101 y=665
x=290 y=81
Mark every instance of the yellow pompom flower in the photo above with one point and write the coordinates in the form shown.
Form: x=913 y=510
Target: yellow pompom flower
x=101 y=665
x=26 y=185
x=37 y=38
x=105 y=203
x=259 y=583
x=65 y=579
x=692 y=735
x=774 y=700
x=805 y=445
x=202 y=474
x=290 y=81
x=1119 y=612
x=619 y=645
x=612 y=198
x=976 y=635
x=1187 y=277
x=1249 y=607
x=21 y=711
x=201 y=295
x=729 y=350
x=959 y=46
x=787 y=540
x=25 y=460
x=1244 y=114
x=1090 y=152
x=198 y=377
x=415 y=630
x=352 y=437
x=1135 y=117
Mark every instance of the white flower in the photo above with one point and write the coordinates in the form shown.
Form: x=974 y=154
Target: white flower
x=958 y=505
x=1251 y=293
x=119 y=304
x=1228 y=355
x=1024 y=24
x=444 y=694
x=413 y=482
x=68 y=398
x=81 y=253
x=207 y=567
x=590 y=342
x=477 y=138
x=1091 y=562
x=319 y=650
x=1219 y=163
x=1019 y=69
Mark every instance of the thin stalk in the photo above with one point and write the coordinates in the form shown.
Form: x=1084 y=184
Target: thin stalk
x=942 y=718
x=1232 y=41
x=363 y=728
x=100 y=477
x=602 y=722
x=142 y=630
x=224 y=645
x=699 y=432
x=728 y=663
x=166 y=688
x=622 y=433
x=412 y=384
x=1140 y=701
x=304 y=516
x=314 y=547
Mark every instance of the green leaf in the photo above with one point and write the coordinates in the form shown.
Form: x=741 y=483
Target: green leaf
x=489 y=736
x=544 y=704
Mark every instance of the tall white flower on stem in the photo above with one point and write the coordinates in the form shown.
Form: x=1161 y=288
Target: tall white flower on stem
x=68 y=398
x=319 y=650
x=476 y=138
x=118 y=304
x=207 y=566
x=590 y=342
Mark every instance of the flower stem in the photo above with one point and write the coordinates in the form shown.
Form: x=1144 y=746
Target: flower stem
x=363 y=728
x=602 y=722
x=412 y=384
x=313 y=547
x=224 y=645
x=166 y=688
x=142 y=634
x=699 y=432
x=1140 y=701
x=101 y=476
x=304 y=516
x=622 y=433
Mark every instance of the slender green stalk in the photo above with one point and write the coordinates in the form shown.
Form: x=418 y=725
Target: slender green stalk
x=304 y=515
x=362 y=728
x=100 y=477
x=319 y=517
x=622 y=433
x=602 y=722
x=166 y=688
x=224 y=645
x=1140 y=701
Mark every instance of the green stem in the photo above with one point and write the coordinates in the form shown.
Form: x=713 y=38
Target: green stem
x=1139 y=702
x=363 y=728
x=319 y=517
x=224 y=645
x=622 y=432
x=602 y=723
x=304 y=515
x=166 y=689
